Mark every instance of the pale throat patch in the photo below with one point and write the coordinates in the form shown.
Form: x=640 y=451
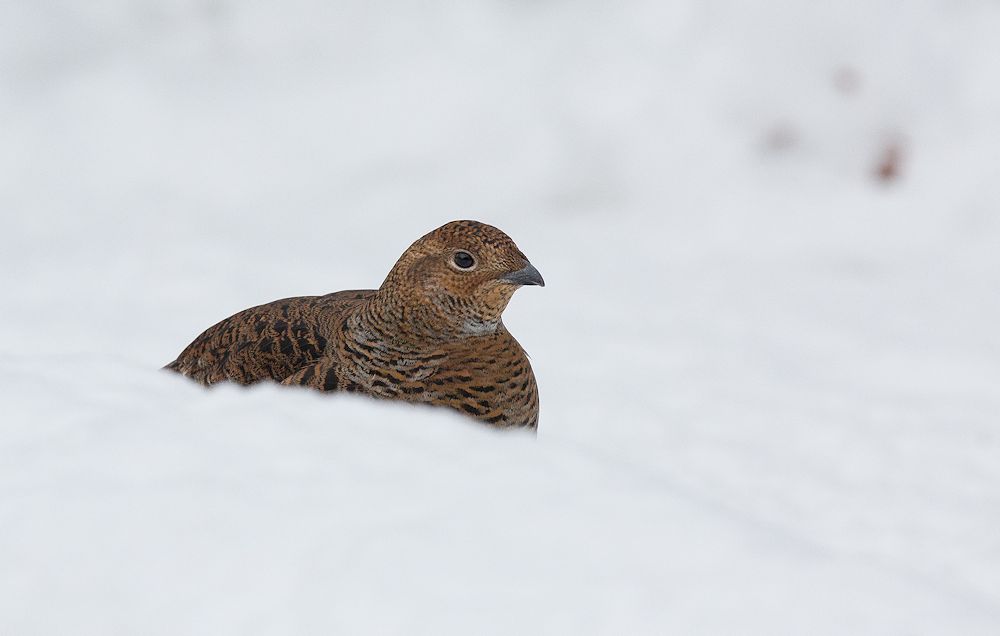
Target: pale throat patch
x=479 y=327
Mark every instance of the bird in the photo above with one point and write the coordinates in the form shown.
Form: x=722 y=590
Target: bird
x=432 y=333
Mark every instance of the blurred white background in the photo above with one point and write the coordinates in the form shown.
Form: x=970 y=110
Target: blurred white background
x=767 y=352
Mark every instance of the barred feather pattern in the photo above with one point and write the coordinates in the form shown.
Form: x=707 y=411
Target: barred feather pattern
x=431 y=334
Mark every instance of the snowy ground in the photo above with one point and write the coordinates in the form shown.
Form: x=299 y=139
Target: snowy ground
x=770 y=381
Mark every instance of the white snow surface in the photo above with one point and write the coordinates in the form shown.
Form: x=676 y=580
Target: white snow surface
x=770 y=382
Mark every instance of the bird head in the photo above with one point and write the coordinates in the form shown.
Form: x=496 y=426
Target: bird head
x=460 y=277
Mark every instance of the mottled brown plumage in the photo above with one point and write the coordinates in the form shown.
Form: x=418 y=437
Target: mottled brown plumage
x=431 y=333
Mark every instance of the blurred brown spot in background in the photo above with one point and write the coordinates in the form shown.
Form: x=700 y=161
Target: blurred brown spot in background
x=780 y=136
x=890 y=162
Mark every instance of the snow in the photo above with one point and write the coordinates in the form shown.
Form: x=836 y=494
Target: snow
x=768 y=377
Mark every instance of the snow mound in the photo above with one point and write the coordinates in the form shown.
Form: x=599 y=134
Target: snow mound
x=767 y=349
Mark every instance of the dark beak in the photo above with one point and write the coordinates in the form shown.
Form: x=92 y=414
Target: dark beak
x=528 y=275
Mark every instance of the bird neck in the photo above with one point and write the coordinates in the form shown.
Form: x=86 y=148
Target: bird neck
x=419 y=322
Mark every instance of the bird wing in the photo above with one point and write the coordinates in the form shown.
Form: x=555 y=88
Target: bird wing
x=267 y=342
x=320 y=374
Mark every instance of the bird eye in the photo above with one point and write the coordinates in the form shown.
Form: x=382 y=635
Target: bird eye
x=463 y=260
